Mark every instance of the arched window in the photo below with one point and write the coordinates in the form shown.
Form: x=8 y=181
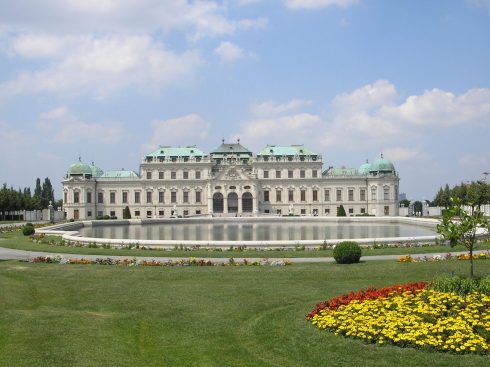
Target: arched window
x=247 y=202
x=232 y=202
x=218 y=202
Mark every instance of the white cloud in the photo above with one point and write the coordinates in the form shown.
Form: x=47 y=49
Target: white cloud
x=481 y=161
x=186 y=130
x=315 y=4
x=293 y=129
x=196 y=18
x=271 y=108
x=404 y=154
x=100 y=65
x=228 y=52
x=65 y=128
x=481 y=4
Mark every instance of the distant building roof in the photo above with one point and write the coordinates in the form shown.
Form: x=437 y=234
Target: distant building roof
x=120 y=174
x=189 y=151
x=96 y=171
x=231 y=148
x=382 y=165
x=288 y=150
x=342 y=171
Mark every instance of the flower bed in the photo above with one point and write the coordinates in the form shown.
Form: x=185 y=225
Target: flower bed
x=410 y=316
x=408 y=259
x=138 y=262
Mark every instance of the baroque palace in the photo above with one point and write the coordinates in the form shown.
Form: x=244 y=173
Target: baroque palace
x=231 y=181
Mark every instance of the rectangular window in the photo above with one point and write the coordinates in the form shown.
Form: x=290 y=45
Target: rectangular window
x=315 y=195
x=302 y=174
x=373 y=193
x=161 y=196
x=351 y=211
x=387 y=210
x=314 y=173
x=65 y=197
x=125 y=197
x=278 y=174
x=89 y=213
x=303 y=195
x=149 y=197
x=278 y=196
x=198 y=175
x=112 y=197
x=137 y=197
x=89 y=197
x=186 y=213
x=351 y=194
x=303 y=211
x=161 y=213
x=198 y=196
x=76 y=197
x=173 y=175
x=186 y=175
x=100 y=213
x=160 y=175
x=362 y=195
x=339 y=195
x=386 y=193
x=290 y=173
x=266 y=196
x=148 y=175
x=173 y=197
x=148 y=213
x=327 y=211
x=327 y=195
x=137 y=213
x=363 y=210
x=198 y=212
x=100 y=197
x=185 y=197
x=291 y=195
x=267 y=211
x=113 y=213
x=278 y=211
x=266 y=174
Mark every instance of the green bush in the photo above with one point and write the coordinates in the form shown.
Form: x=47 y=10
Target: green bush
x=28 y=230
x=461 y=286
x=341 y=211
x=347 y=252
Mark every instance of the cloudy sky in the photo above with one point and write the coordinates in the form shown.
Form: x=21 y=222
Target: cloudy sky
x=109 y=80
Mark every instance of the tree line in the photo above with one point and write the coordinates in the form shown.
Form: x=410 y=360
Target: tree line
x=473 y=194
x=12 y=200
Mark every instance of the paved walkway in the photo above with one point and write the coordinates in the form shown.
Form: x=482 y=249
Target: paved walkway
x=12 y=254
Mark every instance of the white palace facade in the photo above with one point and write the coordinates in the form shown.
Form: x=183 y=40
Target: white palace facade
x=231 y=181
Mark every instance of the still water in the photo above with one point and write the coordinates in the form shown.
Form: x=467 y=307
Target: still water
x=249 y=231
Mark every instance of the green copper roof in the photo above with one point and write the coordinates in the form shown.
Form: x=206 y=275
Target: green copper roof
x=79 y=168
x=291 y=150
x=364 y=169
x=343 y=171
x=96 y=171
x=236 y=148
x=190 y=151
x=382 y=165
x=120 y=174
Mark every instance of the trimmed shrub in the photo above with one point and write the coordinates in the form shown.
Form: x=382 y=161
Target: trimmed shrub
x=126 y=213
x=341 y=211
x=347 y=252
x=28 y=230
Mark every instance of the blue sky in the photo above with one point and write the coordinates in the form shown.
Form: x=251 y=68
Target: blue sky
x=110 y=80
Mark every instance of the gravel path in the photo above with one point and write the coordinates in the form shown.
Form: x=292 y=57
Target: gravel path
x=12 y=254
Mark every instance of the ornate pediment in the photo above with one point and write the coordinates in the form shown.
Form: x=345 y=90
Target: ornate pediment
x=232 y=173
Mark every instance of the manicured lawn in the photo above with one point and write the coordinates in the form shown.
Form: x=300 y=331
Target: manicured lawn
x=18 y=241
x=76 y=315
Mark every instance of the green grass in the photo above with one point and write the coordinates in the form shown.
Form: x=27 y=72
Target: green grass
x=16 y=240
x=75 y=315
